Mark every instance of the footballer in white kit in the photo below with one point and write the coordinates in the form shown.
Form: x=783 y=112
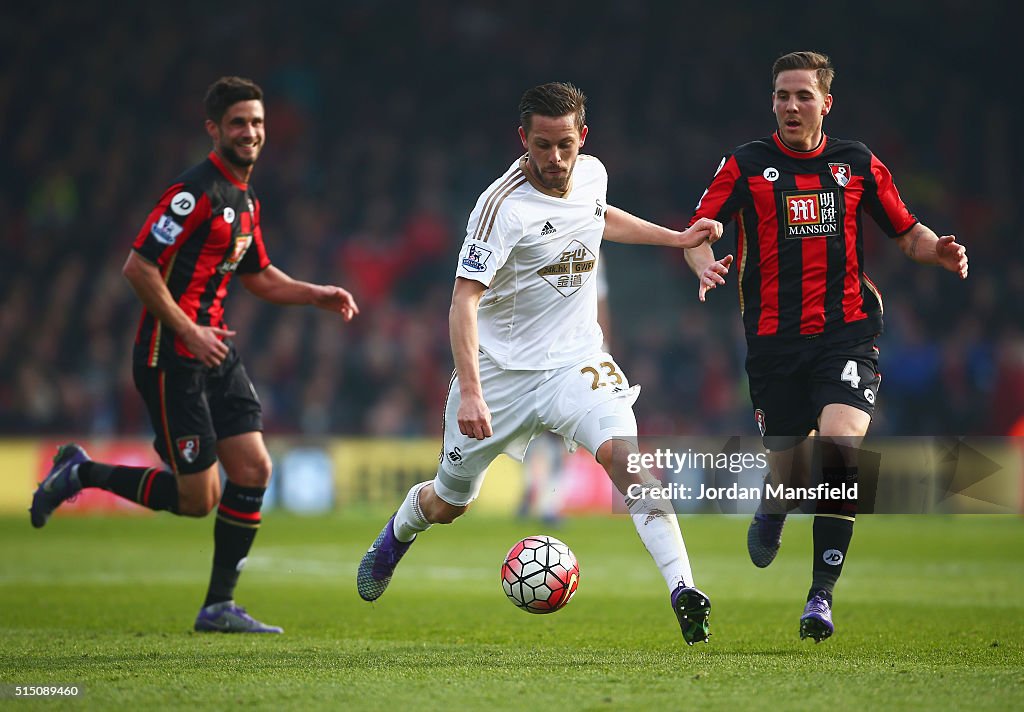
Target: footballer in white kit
x=527 y=344
x=541 y=361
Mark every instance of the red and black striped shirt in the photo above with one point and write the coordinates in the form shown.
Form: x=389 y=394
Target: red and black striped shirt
x=799 y=251
x=205 y=228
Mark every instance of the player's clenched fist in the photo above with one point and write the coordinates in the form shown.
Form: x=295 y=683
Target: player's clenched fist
x=704 y=230
x=474 y=418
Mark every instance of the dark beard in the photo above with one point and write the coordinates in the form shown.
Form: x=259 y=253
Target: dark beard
x=543 y=180
x=232 y=157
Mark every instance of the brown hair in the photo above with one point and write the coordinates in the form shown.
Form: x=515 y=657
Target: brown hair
x=227 y=91
x=554 y=99
x=820 y=63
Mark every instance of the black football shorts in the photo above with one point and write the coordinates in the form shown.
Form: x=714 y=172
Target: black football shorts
x=192 y=407
x=789 y=390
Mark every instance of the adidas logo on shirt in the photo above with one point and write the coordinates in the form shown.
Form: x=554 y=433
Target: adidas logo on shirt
x=548 y=229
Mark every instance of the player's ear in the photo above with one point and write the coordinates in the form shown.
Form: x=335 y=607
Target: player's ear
x=212 y=130
x=522 y=136
x=828 y=104
x=583 y=135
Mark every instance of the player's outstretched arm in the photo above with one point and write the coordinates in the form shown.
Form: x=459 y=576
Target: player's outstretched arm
x=709 y=271
x=474 y=417
x=620 y=226
x=922 y=245
x=275 y=286
x=203 y=341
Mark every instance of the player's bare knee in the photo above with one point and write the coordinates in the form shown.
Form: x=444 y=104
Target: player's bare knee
x=196 y=506
x=445 y=513
x=437 y=511
x=198 y=493
x=253 y=473
x=613 y=455
x=262 y=470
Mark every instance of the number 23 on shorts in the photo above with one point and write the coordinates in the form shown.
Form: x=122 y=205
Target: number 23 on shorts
x=605 y=374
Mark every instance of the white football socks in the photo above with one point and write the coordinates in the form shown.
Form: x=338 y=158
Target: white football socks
x=658 y=527
x=409 y=519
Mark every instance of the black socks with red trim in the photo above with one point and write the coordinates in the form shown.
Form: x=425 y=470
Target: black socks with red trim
x=238 y=519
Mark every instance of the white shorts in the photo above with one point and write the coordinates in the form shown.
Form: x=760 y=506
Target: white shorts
x=589 y=402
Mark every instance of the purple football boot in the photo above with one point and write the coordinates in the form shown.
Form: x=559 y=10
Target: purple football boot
x=229 y=617
x=59 y=485
x=379 y=562
x=764 y=537
x=816 y=622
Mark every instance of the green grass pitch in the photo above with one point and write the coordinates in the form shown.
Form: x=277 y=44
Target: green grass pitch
x=929 y=615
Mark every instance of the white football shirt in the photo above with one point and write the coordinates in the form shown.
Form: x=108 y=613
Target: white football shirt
x=538 y=255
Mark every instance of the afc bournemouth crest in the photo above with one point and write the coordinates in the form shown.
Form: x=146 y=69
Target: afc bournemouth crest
x=188 y=448
x=238 y=250
x=759 y=419
x=841 y=172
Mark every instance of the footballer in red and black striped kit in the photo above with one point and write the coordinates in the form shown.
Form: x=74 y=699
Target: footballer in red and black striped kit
x=809 y=310
x=204 y=230
x=798 y=217
x=203 y=407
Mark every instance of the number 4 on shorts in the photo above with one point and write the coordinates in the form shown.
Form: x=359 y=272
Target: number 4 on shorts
x=850 y=374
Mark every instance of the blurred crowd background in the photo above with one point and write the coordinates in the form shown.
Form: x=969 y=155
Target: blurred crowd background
x=385 y=122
